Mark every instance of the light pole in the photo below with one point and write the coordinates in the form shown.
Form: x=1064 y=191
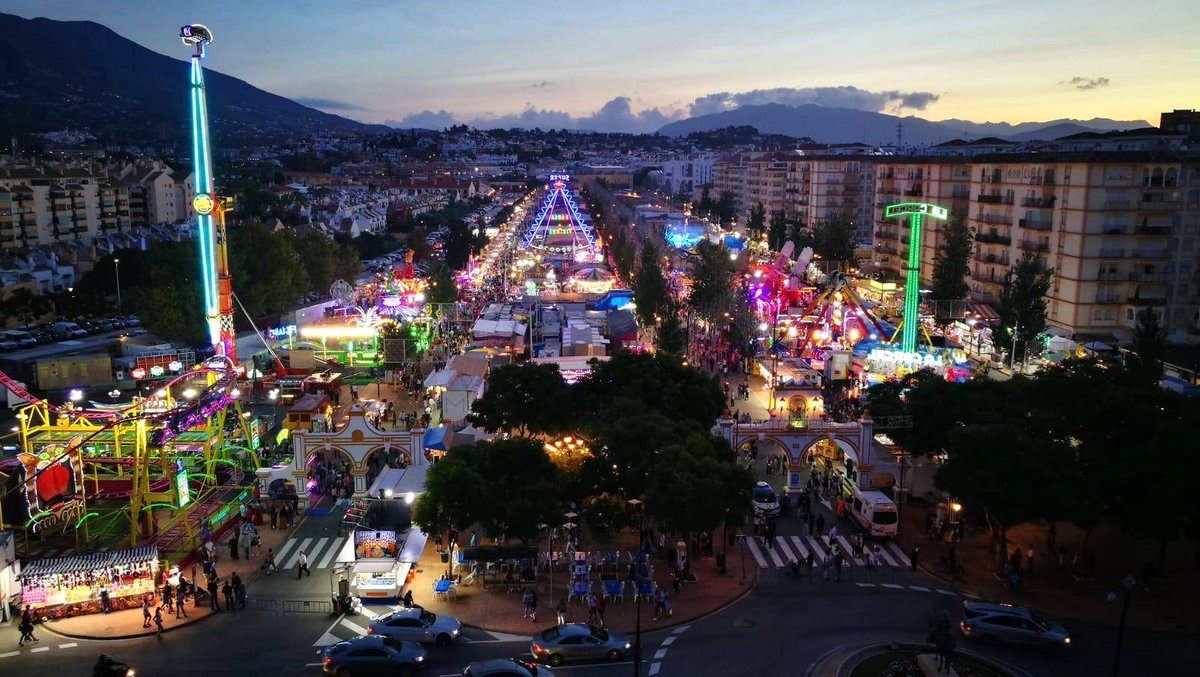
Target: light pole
x=117 y=273
x=1012 y=360
x=1128 y=583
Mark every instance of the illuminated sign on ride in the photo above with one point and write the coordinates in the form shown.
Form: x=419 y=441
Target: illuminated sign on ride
x=181 y=488
x=922 y=208
x=52 y=480
x=282 y=332
x=204 y=204
x=915 y=360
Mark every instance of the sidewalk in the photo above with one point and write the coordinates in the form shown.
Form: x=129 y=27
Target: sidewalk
x=1162 y=607
x=128 y=623
x=500 y=611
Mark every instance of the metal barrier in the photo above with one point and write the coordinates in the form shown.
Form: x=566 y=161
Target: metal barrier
x=303 y=606
x=269 y=605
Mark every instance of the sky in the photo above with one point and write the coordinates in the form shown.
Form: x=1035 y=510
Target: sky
x=634 y=65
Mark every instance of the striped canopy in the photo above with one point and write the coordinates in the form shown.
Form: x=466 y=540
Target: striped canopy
x=592 y=274
x=93 y=562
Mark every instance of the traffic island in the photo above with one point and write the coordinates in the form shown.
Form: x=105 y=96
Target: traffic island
x=126 y=624
x=907 y=660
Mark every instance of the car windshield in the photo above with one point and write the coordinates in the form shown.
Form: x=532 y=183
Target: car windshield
x=1041 y=622
x=602 y=634
x=393 y=643
x=763 y=495
x=885 y=517
x=427 y=617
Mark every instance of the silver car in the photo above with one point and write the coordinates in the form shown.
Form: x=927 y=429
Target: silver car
x=578 y=642
x=417 y=625
x=506 y=667
x=997 y=622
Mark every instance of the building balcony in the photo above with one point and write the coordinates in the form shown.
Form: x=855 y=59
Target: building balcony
x=1158 y=205
x=1112 y=252
x=915 y=192
x=1141 y=301
x=1148 y=278
x=984 y=277
x=1116 y=205
x=997 y=219
x=1112 y=276
x=1029 y=245
x=1038 y=202
x=1154 y=230
x=1152 y=254
x=1113 y=230
x=997 y=259
x=989 y=199
x=1032 y=224
x=993 y=238
x=1109 y=300
x=887 y=234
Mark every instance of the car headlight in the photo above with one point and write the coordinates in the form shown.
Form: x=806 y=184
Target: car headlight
x=1066 y=640
x=627 y=645
x=454 y=632
x=420 y=658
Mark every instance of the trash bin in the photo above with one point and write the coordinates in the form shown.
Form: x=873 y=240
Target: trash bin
x=720 y=561
x=445 y=554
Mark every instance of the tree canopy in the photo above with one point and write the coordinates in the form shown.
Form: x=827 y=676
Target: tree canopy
x=952 y=261
x=527 y=398
x=1022 y=307
x=650 y=287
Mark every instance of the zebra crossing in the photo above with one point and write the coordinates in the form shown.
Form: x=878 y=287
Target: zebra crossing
x=321 y=551
x=785 y=550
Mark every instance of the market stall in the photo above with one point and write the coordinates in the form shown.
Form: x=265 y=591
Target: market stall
x=70 y=586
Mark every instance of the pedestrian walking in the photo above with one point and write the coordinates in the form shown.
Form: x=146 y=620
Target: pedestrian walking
x=26 y=627
x=146 y=615
x=590 y=600
x=820 y=524
x=833 y=532
x=212 y=595
x=158 y=621
x=227 y=592
x=601 y=603
x=239 y=591
x=168 y=598
x=274 y=518
x=1029 y=561
x=180 y=598
x=302 y=567
x=837 y=565
x=826 y=565
x=233 y=547
x=105 y=600
x=561 y=611
x=268 y=564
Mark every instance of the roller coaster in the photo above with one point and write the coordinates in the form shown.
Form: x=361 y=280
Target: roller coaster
x=164 y=466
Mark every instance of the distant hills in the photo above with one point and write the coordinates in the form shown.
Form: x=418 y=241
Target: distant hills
x=846 y=125
x=81 y=76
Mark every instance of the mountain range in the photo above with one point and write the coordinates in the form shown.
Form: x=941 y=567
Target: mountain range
x=81 y=76
x=846 y=125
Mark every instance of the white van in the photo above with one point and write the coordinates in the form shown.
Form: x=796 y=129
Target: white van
x=66 y=330
x=874 y=512
x=766 y=503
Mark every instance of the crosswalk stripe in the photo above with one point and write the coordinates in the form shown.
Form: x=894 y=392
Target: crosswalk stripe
x=847 y=549
x=883 y=554
x=904 y=561
x=800 y=546
x=334 y=548
x=296 y=555
x=918 y=588
x=283 y=552
x=781 y=543
x=316 y=552
x=865 y=585
x=354 y=626
x=948 y=592
x=753 y=545
x=774 y=555
x=815 y=544
x=893 y=586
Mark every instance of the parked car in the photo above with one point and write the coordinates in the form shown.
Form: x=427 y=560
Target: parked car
x=65 y=330
x=578 y=642
x=372 y=655
x=506 y=667
x=417 y=625
x=23 y=339
x=998 y=622
x=132 y=321
x=117 y=323
x=6 y=345
x=43 y=336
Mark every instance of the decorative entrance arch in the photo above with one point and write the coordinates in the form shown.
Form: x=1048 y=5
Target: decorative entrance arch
x=358 y=439
x=855 y=440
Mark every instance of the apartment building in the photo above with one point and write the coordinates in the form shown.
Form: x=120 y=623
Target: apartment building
x=1119 y=229
x=839 y=185
x=945 y=182
x=687 y=174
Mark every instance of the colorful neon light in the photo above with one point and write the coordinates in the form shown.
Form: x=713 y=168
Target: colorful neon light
x=338 y=332
x=912 y=281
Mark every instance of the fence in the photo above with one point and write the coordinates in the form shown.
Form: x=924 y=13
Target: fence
x=290 y=606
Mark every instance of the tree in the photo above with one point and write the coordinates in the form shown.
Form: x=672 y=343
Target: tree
x=952 y=261
x=650 y=287
x=712 y=281
x=1149 y=345
x=27 y=306
x=671 y=337
x=1022 y=307
x=694 y=487
x=455 y=493
x=834 y=239
x=527 y=399
x=706 y=205
x=778 y=232
x=418 y=243
x=442 y=286
x=756 y=222
x=631 y=384
x=168 y=295
x=726 y=208
x=316 y=256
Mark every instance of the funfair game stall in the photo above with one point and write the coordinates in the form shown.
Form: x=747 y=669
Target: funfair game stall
x=70 y=586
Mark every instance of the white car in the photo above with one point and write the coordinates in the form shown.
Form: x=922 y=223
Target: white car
x=417 y=625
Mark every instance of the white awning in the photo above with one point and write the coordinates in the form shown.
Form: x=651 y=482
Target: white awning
x=413 y=545
x=439 y=379
x=375 y=566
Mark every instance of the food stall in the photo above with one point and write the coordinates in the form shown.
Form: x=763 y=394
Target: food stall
x=70 y=586
x=376 y=573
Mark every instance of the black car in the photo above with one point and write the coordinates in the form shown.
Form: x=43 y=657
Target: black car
x=90 y=326
x=42 y=337
x=117 y=323
x=372 y=655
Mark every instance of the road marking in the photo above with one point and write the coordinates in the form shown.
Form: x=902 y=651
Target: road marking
x=883 y=554
x=918 y=588
x=815 y=544
x=354 y=626
x=10 y=654
x=893 y=586
x=328 y=634
x=753 y=545
x=316 y=551
x=284 y=551
x=660 y=654
x=900 y=554
x=865 y=585
x=948 y=592
x=781 y=543
x=296 y=555
x=847 y=549
x=774 y=556
x=670 y=640
x=680 y=629
x=654 y=668
x=39 y=649
x=333 y=551
x=68 y=645
x=800 y=547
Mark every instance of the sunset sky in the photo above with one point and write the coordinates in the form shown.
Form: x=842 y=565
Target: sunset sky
x=634 y=65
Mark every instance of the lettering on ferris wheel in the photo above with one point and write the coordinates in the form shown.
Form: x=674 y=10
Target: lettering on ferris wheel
x=560 y=177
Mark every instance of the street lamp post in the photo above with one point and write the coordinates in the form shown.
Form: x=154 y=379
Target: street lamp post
x=1012 y=360
x=117 y=272
x=1128 y=583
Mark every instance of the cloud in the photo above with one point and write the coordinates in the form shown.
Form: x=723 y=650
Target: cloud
x=615 y=116
x=327 y=104
x=846 y=96
x=426 y=119
x=1084 y=84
